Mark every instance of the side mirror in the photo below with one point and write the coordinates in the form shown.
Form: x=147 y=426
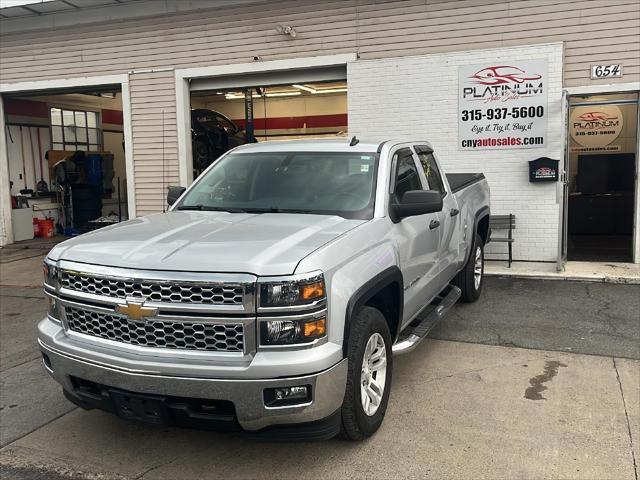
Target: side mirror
x=416 y=202
x=174 y=194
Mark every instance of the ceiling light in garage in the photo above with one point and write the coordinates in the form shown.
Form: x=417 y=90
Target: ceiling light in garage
x=240 y=96
x=317 y=91
x=305 y=88
x=282 y=94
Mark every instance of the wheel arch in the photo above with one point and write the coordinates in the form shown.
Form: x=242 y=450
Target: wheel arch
x=385 y=291
x=480 y=221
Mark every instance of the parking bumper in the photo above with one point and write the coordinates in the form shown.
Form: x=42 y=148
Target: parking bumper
x=327 y=386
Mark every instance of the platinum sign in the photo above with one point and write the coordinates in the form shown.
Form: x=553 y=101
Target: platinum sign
x=502 y=105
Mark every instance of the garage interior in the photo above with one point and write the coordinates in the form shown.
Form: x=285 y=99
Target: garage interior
x=602 y=177
x=310 y=104
x=66 y=160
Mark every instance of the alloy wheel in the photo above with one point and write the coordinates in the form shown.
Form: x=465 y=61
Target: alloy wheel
x=373 y=376
x=477 y=268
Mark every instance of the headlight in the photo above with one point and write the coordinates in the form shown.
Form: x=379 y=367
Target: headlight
x=50 y=272
x=51 y=282
x=53 y=307
x=292 y=292
x=291 y=298
x=291 y=331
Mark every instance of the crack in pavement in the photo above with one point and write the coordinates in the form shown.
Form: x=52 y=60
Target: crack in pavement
x=2 y=295
x=626 y=414
x=155 y=467
x=8 y=444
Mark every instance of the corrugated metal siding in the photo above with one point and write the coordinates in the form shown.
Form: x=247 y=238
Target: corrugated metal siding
x=593 y=31
x=153 y=124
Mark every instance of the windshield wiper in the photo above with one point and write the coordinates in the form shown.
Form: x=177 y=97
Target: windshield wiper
x=211 y=209
x=277 y=210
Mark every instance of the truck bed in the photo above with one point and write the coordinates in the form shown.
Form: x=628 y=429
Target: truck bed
x=458 y=181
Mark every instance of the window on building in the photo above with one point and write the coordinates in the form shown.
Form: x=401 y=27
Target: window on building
x=407 y=177
x=75 y=130
x=431 y=171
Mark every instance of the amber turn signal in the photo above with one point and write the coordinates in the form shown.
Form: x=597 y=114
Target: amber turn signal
x=316 y=328
x=312 y=290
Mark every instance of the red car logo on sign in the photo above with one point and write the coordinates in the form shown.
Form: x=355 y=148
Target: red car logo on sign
x=502 y=74
x=595 y=117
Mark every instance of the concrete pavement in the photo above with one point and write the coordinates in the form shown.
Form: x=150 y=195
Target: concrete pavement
x=607 y=272
x=457 y=410
x=465 y=405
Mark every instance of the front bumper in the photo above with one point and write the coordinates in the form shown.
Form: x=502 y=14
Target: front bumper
x=327 y=386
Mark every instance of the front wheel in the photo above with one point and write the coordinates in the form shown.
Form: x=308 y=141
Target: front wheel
x=369 y=375
x=471 y=278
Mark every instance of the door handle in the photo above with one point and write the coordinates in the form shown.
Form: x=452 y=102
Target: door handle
x=454 y=212
x=434 y=224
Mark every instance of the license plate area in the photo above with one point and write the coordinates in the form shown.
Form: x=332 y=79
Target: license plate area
x=142 y=408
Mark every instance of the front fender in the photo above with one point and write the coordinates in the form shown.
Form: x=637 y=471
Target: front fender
x=353 y=267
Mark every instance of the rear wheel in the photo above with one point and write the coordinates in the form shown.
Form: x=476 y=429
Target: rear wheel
x=369 y=375
x=471 y=278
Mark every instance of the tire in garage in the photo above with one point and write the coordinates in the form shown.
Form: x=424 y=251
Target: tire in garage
x=201 y=154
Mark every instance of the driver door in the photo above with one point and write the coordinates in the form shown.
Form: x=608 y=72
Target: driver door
x=418 y=244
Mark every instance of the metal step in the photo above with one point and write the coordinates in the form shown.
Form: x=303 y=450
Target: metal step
x=441 y=305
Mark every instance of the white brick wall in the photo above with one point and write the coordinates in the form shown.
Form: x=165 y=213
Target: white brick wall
x=418 y=97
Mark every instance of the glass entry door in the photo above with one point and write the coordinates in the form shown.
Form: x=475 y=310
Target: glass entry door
x=601 y=177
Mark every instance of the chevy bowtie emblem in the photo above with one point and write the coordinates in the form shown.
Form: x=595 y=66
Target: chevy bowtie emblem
x=135 y=309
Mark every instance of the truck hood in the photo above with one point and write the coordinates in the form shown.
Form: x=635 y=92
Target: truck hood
x=263 y=244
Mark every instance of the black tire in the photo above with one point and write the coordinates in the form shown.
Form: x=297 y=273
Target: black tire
x=356 y=424
x=201 y=154
x=465 y=280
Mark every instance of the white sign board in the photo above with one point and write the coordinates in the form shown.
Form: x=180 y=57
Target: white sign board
x=502 y=105
x=606 y=71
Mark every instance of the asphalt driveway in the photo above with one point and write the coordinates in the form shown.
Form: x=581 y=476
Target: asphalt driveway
x=565 y=316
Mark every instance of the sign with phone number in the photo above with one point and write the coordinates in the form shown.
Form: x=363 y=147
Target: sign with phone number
x=502 y=105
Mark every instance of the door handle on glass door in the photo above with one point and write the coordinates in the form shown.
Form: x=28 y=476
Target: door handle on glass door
x=434 y=224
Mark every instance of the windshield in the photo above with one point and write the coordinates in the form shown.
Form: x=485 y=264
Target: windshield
x=329 y=183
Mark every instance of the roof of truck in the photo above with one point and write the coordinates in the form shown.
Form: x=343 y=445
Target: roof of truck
x=322 y=145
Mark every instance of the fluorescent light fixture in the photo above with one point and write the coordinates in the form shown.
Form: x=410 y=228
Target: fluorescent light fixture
x=282 y=94
x=240 y=96
x=315 y=91
x=304 y=87
x=332 y=90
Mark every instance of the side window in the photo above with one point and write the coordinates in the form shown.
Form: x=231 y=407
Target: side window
x=431 y=171
x=407 y=177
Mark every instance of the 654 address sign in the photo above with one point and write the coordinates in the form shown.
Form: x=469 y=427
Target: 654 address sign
x=606 y=71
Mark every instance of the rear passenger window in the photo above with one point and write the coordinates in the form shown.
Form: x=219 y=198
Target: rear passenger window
x=407 y=177
x=431 y=171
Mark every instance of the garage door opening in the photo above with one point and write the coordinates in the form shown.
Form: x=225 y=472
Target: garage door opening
x=66 y=160
x=224 y=118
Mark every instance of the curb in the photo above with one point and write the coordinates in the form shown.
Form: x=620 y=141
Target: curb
x=574 y=278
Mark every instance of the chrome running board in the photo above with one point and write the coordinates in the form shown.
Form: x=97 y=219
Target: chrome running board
x=441 y=305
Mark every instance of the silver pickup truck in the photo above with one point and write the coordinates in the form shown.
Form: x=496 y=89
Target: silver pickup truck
x=274 y=293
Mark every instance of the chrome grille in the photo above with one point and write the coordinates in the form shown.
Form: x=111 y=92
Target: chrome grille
x=156 y=333
x=154 y=291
